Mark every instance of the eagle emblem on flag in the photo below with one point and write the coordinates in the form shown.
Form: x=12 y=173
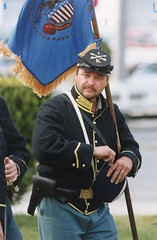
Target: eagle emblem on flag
x=59 y=15
x=47 y=39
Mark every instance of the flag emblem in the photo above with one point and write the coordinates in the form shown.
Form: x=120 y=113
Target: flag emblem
x=47 y=39
x=59 y=17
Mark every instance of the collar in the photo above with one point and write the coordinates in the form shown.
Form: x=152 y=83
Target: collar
x=82 y=102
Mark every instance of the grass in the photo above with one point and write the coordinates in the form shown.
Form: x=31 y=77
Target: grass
x=146 y=227
x=28 y=226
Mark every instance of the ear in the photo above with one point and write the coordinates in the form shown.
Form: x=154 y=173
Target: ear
x=75 y=77
x=107 y=79
x=77 y=70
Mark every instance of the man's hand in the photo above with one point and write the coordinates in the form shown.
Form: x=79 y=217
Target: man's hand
x=10 y=171
x=120 y=169
x=104 y=152
x=1 y=232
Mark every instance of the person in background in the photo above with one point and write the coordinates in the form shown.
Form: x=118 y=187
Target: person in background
x=72 y=210
x=3 y=195
x=15 y=158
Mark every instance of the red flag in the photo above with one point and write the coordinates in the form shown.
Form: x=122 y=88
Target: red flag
x=95 y=2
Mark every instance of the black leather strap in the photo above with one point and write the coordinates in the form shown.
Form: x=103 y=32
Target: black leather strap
x=94 y=127
x=89 y=122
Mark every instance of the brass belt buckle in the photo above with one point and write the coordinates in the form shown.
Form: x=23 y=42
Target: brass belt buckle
x=86 y=193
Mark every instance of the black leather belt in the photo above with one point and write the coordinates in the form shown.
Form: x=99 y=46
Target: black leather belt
x=44 y=187
x=67 y=195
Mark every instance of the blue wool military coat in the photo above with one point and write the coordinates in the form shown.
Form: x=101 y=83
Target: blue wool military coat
x=11 y=144
x=60 y=148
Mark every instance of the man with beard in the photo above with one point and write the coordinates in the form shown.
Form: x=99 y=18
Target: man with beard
x=75 y=210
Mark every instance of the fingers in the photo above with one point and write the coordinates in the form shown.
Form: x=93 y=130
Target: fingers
x=10 y=170
x=1 y=232
x=119 y=170
x=119 y=175
x=104 y=152
x=110 y=155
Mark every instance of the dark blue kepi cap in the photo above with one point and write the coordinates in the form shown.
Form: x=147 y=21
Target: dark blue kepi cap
x=96 y=60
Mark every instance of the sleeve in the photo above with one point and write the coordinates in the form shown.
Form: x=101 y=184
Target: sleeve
x=55 y=143
x=129 y=146
x=3 y=189
x=16 y=148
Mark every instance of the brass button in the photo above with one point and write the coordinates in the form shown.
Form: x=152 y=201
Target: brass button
x=85 y=212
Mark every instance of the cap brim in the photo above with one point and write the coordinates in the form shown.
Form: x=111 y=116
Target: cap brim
x=93 y=70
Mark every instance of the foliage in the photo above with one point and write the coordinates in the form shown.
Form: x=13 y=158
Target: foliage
x=105 y=47
x=23 y=105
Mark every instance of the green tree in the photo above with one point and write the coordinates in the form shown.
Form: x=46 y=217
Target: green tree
x=23 y=105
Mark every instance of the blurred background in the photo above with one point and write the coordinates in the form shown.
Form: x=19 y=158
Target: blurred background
x=128 y=29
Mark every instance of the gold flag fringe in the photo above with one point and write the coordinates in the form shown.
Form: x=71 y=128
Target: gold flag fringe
x=91 y=46
x=4 y=50
x=27 y=79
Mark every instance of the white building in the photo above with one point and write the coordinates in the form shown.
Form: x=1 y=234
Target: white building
x=141 y=31
x=9 y=16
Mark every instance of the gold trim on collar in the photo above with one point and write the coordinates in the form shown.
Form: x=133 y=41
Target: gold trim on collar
x=83 y=102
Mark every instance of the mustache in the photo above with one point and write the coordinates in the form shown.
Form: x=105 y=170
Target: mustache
x=90 y=88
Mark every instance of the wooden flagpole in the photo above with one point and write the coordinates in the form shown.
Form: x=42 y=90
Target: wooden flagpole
x=110 y=103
